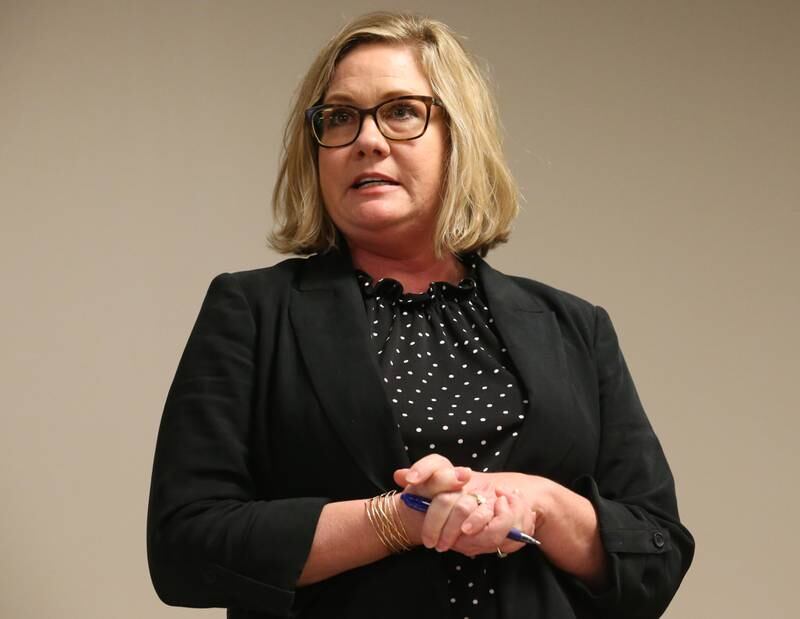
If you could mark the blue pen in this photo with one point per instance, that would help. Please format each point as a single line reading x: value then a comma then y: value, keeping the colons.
x: 421, y: 504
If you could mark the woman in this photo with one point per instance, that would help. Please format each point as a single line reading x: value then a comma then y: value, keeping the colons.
x: 395, y: 358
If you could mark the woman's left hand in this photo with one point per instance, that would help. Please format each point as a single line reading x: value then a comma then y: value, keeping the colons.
x: 538, y: 492
x: 511, y: 510
x: 456, y: 522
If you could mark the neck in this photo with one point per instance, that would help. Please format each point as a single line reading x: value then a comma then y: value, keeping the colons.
x: 415, y: 271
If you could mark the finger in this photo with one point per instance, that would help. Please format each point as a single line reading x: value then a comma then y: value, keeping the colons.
x: 478, y: 519
x: 530, y: 527
x: 520, y: 519
x: 441, y: 480
x: 423, y: 468
x: 464, y: 474
x: 444, y: 480
x: 497, y: 529
x: 400, y: 477
x: 461, y: 475
x: 489, y: 538
x: 526, y: 523
x: 463, y: 510
x: 529, y: 514
x: 436, y: 517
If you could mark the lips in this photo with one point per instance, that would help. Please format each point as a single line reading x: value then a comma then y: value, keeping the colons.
x: 372, y: 179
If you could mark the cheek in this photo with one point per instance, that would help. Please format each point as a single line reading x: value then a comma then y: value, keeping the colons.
x: 435, y: 162
x: 433, y: 171
x: 327, y: 176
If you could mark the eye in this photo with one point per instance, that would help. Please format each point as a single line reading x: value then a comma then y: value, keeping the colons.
x: 401, y: 110
x: 339, y: 116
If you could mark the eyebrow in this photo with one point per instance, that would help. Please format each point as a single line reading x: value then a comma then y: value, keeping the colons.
x: 343, y: 97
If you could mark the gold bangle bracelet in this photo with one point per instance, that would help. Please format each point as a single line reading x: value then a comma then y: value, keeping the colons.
x: 385, y: 520
x: 389, y: 524
x: 401, y: 527
x: 376, y: 525
x: 393, y: 522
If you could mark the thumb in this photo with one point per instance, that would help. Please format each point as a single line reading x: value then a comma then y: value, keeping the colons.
x: 399, y: 477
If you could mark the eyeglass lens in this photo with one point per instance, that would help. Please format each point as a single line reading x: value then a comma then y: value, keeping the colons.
x: 403, y: 119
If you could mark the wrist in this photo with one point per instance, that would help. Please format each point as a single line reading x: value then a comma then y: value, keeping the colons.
x: 410, y: 519
x: 542, y: 495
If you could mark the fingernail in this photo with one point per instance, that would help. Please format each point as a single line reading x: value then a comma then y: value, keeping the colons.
x: 462, y: 475
x: 413, y: 476
x: 441, y: 548
x: 467, y: 527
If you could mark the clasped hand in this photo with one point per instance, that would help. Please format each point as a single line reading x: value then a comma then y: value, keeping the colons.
x: 456, y: 519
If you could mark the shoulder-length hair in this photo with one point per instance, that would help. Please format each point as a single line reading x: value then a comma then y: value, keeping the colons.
x: 479, y: 195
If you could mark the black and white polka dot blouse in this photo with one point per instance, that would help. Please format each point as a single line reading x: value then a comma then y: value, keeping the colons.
x: 453, y: 391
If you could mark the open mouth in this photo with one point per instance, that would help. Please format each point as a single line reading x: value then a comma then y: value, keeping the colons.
x: 372, y: 182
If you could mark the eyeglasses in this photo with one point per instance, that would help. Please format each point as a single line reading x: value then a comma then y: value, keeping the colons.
x: 400, y: 119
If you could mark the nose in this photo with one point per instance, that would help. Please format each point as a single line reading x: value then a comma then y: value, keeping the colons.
x: 370, y: 139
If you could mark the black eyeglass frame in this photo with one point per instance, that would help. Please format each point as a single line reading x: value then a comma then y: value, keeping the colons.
x: 427, y: 100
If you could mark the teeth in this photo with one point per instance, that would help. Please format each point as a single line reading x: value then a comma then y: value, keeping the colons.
x: 373, y: 181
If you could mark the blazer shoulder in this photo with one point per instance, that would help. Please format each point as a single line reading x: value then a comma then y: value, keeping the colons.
x: 554, y: 299
x: 573, y: 313
x: 257, y: 282
x: 262, y: 288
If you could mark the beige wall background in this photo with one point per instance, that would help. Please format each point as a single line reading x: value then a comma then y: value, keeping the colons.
x: 657, y: 147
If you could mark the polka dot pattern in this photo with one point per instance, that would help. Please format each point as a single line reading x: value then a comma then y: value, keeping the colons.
x: 451, y: 387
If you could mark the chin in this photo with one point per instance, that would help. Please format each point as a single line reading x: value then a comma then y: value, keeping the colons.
x: 379, y: 224
x: 383, y: 229
x: 380, y: 215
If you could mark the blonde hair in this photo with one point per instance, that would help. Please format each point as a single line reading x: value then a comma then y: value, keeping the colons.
x: 479, y: 199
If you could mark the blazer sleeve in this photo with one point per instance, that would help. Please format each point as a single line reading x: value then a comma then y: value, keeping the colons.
x: 633, y: 493
x: 213, y: 540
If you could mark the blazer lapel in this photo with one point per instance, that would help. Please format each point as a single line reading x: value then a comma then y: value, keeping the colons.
x: 531, y: 333
x: 328, y: 316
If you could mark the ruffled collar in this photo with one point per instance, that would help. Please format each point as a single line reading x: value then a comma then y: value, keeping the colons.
x: 392, y: 290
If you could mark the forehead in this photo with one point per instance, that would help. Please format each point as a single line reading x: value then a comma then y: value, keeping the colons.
x: 374, y: 71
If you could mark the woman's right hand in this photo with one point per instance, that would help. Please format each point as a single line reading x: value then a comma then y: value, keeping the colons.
x: 432, y: 475
x: 451, y: 511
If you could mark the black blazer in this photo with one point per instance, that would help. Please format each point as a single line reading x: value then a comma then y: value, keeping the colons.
x: 277, y: 408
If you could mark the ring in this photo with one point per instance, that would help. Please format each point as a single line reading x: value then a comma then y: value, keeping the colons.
x: 501, y: 554
x: 478, y: 497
